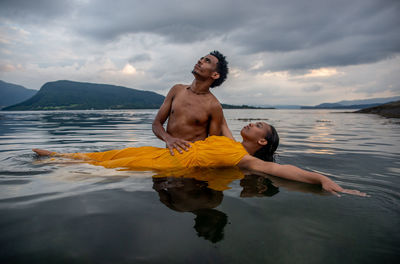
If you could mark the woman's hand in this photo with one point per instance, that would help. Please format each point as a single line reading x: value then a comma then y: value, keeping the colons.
x: 332, y: 187
x: 294, y: 173
x: 355, y: 192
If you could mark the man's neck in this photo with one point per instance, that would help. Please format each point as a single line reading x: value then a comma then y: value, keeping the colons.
x: 200, y: 87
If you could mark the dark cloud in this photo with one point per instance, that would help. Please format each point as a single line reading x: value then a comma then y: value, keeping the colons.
x: 307, y: 24
x: 288, y: 35
x: 310, y: 33
x: 177, y: 21
x: 37, y: 11
x: 140, y: 57
x: 349, y: 51
x: 319, y: 36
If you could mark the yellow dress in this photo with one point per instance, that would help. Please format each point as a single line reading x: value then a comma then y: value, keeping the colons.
x: 214, y: 151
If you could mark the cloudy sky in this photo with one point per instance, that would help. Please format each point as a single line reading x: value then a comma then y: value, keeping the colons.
x: 279, y: 52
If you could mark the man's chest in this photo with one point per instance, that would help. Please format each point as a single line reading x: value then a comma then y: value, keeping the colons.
x: 191, y: 109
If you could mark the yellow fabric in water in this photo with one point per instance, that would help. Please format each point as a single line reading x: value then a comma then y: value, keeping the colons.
x: 217, y: 179
x: 214, y: 151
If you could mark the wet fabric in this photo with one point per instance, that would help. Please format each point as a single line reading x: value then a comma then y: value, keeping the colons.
x: 214, y: 151
x: 217, y: 179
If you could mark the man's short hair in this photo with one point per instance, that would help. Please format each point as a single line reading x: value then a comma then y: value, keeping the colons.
x: 222, y: 68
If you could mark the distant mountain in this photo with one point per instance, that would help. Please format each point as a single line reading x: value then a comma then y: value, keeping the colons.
x: 354, y: 104
x: 370, y: 101
x: 387, y: 110
x: 12, y: 94
x: 69, y: 95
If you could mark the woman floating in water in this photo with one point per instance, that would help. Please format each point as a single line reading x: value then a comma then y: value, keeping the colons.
x: 255, y: 153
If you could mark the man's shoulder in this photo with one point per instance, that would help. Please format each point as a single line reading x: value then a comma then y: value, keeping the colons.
x: 177, y: 88
x: 180, y: 86
x: 215, y: 102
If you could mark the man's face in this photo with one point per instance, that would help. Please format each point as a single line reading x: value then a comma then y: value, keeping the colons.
x: 206, y: 67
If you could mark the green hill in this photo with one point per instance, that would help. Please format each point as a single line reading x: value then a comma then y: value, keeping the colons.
x: 354, y: 104
x: 69, y: 95
x: 387, y: 110
x: 12, y: 94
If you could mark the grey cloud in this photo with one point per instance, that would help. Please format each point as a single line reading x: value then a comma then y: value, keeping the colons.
x: 346, y: 34
x: 289, y: 35
x: 37, y: 11
x: 306, y: 24
x: 140, y: 57
x: 352, y: 50
x: 374, y: 89
x: 313, y: 88
x: 177, y: 21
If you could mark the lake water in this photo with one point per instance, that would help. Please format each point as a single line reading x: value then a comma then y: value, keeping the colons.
x: 53, y: 211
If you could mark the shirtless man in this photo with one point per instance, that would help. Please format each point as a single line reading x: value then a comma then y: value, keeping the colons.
x: 193, y: 112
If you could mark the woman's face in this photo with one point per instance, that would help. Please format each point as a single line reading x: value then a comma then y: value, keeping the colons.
x: 255, y: 131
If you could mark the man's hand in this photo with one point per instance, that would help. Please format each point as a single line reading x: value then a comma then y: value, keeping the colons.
x: 178, y: 144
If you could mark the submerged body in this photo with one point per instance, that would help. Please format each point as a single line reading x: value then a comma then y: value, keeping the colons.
x: 214, y: 151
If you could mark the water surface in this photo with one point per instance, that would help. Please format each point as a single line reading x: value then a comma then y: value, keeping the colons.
x: 57, y: 211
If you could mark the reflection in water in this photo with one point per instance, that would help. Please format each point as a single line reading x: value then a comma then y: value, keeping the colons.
x: 321, y: 139
x: 191, y: 195
x: 83, y: 213
x: 216, y: 178
x: 210, y: 223
x: 257, y: 186
x: 199, y: 191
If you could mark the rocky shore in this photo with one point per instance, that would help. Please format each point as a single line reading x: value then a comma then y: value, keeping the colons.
x: 391, y: 110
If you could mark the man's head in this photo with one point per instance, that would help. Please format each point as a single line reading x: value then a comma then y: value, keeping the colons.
x: 213, y: 66
x: 222, y: 68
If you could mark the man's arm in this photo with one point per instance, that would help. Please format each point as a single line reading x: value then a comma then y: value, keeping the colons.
x: 163, y: 114
x: 159, y: 120
x: 218, y: 125
x: 217, y: 117
x: 225, y: 129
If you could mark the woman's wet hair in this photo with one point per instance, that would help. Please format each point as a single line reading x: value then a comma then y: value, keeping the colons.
x: 266, y: 152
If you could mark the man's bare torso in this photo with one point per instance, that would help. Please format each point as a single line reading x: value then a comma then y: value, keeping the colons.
x: 190, y: 114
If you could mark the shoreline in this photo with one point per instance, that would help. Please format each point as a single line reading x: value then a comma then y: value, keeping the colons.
x: 389, y: 110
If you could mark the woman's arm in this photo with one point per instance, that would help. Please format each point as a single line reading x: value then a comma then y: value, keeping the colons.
x: 293, y: 173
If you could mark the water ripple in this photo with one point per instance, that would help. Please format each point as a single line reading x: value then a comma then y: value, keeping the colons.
x: 357, y: 151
